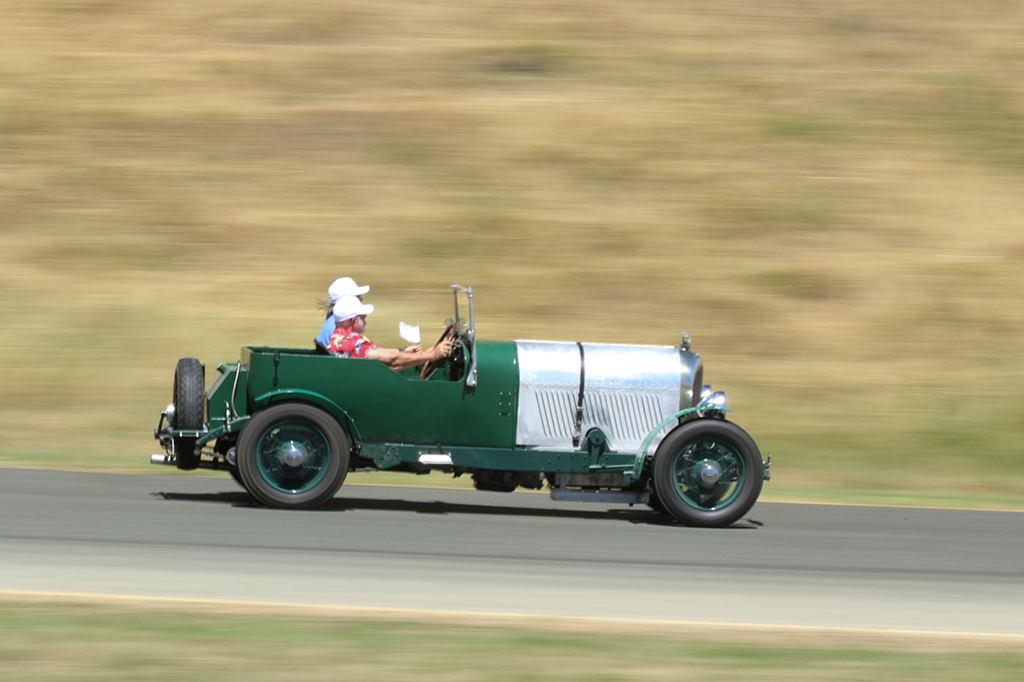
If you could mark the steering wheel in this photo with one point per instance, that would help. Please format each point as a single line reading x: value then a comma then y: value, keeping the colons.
x: 432, y: 366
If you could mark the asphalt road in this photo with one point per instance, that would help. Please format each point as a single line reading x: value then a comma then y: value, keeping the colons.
x: 184, y: 536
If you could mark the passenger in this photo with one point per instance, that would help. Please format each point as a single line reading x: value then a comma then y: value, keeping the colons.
x: 345, y: 286
x: 348, y: 340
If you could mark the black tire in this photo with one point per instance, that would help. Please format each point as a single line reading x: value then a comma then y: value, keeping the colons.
x: 188, y: 410
x: 293, y: 456
x: 654, y: 502
x: 708, y: 473
x: 237, y: 475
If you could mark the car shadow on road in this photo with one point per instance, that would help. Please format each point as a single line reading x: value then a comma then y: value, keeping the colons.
x: 233, y: 499
x: 634, y: 515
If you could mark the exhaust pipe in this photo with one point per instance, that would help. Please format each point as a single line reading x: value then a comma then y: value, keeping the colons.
x: 214, y: 464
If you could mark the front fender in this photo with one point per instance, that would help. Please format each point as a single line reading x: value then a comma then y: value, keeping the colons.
x: 641, y: 455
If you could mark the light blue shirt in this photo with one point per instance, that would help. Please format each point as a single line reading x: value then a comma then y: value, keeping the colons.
x: 326, y: 331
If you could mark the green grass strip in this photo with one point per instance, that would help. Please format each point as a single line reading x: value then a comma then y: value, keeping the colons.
x: 61, y: 641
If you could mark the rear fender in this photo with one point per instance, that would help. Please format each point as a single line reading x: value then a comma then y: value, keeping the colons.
x: 299, y: 395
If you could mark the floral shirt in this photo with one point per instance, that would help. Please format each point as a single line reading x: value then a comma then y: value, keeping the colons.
x: 348, y: 344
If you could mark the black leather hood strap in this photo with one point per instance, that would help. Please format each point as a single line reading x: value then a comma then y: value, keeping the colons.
x: 576, y: 433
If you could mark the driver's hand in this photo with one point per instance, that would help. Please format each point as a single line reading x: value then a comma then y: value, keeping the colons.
x: 443, y: 349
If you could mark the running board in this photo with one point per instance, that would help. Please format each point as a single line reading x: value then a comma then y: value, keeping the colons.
x: 605, y: 496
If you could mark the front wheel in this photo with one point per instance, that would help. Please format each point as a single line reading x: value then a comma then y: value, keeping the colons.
x: 708, y: 473
x: 293, y: 456
x: 654, y: 502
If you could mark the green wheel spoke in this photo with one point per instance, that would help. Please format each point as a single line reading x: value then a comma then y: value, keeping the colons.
x: 709, y: 474
x: 293, y: 455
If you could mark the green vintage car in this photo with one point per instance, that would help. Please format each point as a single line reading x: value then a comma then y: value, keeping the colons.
x: 593, y: 422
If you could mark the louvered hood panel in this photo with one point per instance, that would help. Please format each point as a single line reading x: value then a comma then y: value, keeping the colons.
x: 628, y: 390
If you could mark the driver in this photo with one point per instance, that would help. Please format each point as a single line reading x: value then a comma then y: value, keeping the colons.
x: 348, y: 340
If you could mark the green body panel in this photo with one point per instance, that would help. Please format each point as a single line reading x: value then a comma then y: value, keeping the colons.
x: 396, y: 416
x: 378, y: 405
x: 219, y: 394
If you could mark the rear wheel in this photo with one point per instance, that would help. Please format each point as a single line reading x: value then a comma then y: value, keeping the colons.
x: 235, y: 474
x: 224, y: 447
x: 188, y: 410
x: 293, y: 456
x: 708, y: 473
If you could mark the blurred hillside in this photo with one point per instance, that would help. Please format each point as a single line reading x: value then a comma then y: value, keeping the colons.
x: 828, y: 196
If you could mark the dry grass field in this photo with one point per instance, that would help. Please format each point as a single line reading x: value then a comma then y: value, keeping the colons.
x: 828, y: 196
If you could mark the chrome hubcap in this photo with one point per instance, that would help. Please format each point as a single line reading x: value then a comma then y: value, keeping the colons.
x: 293, y: 456
x: 709, y: 474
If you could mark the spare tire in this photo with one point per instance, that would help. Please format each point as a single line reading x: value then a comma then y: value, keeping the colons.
x: 188, y: 410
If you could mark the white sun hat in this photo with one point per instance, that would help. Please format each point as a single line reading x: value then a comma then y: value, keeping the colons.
x: 346, y: 286
x: 348, y: 307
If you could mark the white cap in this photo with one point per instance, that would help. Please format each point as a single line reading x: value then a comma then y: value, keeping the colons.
x: 348, y: 307
x: 346, y: 286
